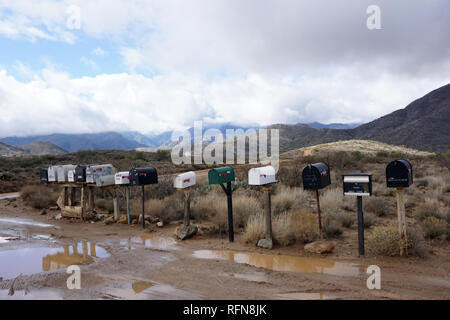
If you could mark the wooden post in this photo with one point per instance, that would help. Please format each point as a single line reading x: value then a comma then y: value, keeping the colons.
x: 127, y: 194
x: 64, y: 196
x: 268, y: 207
x: 83, y: 204
x: 402, y: 221
x: 319, y: 214
x: 116, y: 206
x: 187, y: 207
x: 91, y: 199
x: 70, y: 197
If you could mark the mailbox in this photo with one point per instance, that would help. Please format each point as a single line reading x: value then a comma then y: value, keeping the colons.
x: 80, y: 173
x: 62, y: 172
x: 122, y: 177
x: 105, y: 180
x: 51, y: 171
x: 143, y: 176
x: 357, y: 184
x: 43, y: 174
x: 94, y: 172
x: 184, y: 180
x: 399, y: 174
x: 261, y: 176
x: 221, y: 175
x: 71, y: 176
x: 316, y: 176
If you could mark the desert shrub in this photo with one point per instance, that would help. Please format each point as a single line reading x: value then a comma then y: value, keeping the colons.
x: 384, y: 241
x: 369, y: 220
x: 105, y: 204
x: 38, y: 197
x: 378, y: 206
x: 331, y: 226
x: 382, y: 154
x: 332, y: 201
x: 163, y: 189
x: 421, y: 183
x: 287, y: 198
x: 166, y: 210
x: 243, y: 208
x: 290, y: 176
x: 163, y: 155
x: 429, y: 208
x: 416, y: 244
x: 346, y: 220
x: 434, y: 227
x: 287, y: 227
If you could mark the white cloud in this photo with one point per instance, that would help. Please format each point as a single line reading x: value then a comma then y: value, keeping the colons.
x: 132, y: 58
x: 54, y: 102
x: 98, y: 52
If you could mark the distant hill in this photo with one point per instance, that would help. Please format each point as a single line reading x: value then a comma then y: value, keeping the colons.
x: 10, y: 151
x: 319, y: 125
x: 424, y: 124
x: 41, y: 148
x: 76, y: 142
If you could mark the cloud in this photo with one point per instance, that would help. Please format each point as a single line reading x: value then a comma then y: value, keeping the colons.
x: 54, y: 102
x: 98, y: 52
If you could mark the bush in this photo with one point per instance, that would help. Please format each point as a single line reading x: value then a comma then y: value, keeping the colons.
x: 105, y: 204
x: 434, y: 227
x: 346, y: 220
x: 430, y: 208
x: 378, y: 206
x: 384, y: 241
x: 38, y: 197
x: 290, y: 176
x: 163, y: 155
x: 369, y: 220
x: 287, y: 198
x: 331, y: 226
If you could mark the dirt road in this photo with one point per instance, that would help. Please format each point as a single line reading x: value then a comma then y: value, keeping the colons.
x: 124, y: 262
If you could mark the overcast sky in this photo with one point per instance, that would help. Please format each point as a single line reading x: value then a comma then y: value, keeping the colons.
x: 153, y: 66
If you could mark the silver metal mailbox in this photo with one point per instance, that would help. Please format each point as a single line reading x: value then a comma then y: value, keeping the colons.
x: 52, y: 173
x: 62, y: 173
x: 122, y: 177
x: 71, y: 176
x: 93, y: 172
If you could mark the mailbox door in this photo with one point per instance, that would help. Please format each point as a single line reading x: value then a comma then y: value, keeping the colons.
x: 399, y: 174
x: 80, y: 174
x: 43, y: 176
x: 310, y: 176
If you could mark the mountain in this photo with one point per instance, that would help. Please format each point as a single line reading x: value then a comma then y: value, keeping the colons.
x: 41, y: 148
x: 319, y: 125
x: 424, y: 124
x: 9, y: 151
x: 76, y: 142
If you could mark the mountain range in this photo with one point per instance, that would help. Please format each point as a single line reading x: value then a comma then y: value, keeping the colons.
x: 424, y: 124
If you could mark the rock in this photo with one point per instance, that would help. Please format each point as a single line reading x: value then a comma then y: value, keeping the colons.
x: 58, y: 216
x: 207, y: 228
x: 187, y: 232
x: 109, y: 220
x: 99, y: 216
x: 43, y: 212
x: 134, y: 221
x: 160, y: 224
x: 177, y: 229
x: 265, y: 243
x: 320, y: 246
x: 123, y: 219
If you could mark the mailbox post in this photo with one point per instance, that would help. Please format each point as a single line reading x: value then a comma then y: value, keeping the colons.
x: 265, y: 177
x: 123, y: 178
x: 359, y: 185
x: 220, y: 176
x: 316, y: 176
x: 184, y: 182
x: 399, y: 175
x: 142, y: 177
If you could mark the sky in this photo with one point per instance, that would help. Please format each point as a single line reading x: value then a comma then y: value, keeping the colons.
x: 150, y: 66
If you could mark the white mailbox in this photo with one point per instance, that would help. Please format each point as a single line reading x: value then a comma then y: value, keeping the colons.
x: 261, y: 176
x: 71, y: 176
x: 93, y: 172
x: 103, y: 181
x: 184, y: 180
x: 123, y: 177
x: 62, y: 173
x: 52, y: 173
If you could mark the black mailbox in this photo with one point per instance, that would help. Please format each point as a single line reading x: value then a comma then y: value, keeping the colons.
x: 43, y: 176
x: 399, y: 174
x: 143, y: 176
x: 316, y: 176
x: 80, y: 173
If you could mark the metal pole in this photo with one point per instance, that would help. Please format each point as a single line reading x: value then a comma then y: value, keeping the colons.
x: 127, y: 194
x: 230, y: 213
x: 360, y: 227
x: 268, y: 213
x: 187, y: 207
x: 143, y: 208
x: 318, y: 213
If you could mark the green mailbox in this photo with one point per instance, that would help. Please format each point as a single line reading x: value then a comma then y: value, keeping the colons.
x: 221, y: 175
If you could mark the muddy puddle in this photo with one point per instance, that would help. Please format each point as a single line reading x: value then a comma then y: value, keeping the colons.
x: 283, y: 263
x: 38, y: 259
x: 149, y: 241
x: 147, y: 290
x: 26, y: 222
x: 304, y: 296
x: 252, y: 277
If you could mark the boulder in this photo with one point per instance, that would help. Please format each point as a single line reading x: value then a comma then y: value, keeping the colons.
x: 109, y: 220
x: 186, y: 232
x: 265, y: 243
x: 320, y: 246
x: 160, y: 224
x: 123, y: 219
x: 58, y: 216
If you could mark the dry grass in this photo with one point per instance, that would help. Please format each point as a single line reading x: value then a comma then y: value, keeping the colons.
x: 384, y: 241
x: 434, y: 227
x: 287, y: 227
x: 333, y: 201
x: 378, y: 206
x: 287, y: 198
x: 38, y: 196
